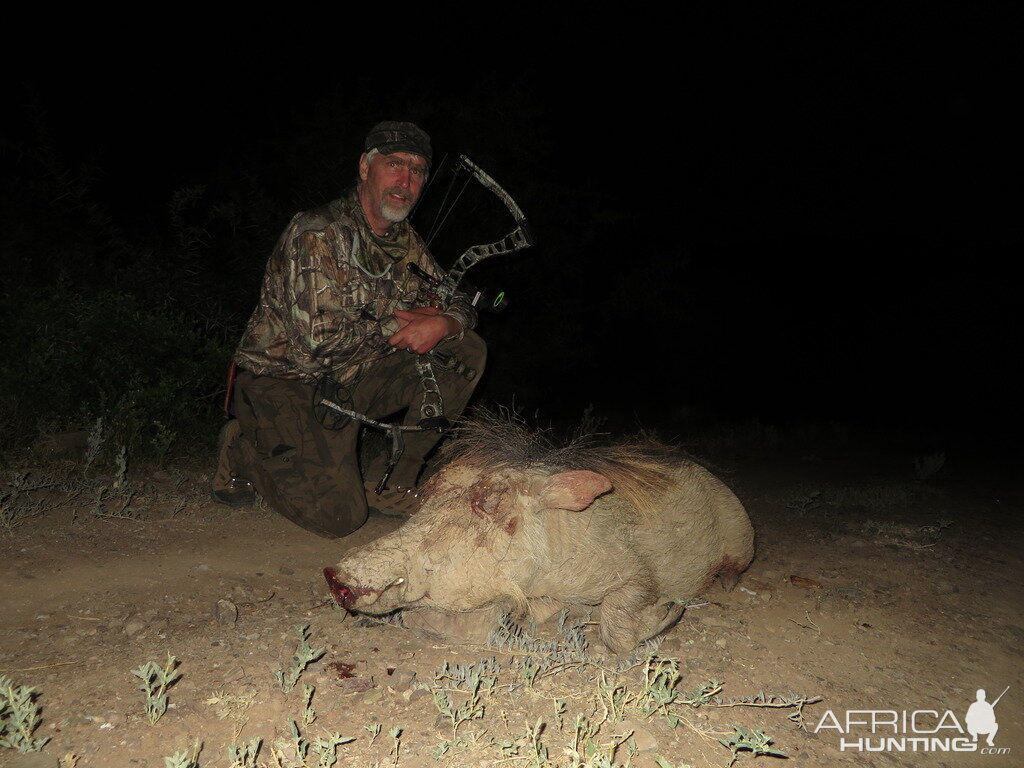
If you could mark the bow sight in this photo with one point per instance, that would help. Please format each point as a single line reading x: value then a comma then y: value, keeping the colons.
x: 477, y: 297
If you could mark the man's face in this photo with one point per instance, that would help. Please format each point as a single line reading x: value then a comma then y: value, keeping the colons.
x: 391, y: 185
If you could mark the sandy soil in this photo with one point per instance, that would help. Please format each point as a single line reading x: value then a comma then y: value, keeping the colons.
x: 884, y: 595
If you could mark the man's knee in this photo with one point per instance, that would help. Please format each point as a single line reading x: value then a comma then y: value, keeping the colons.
x: 326, y: 508
x: 473, y: 349
x: 328, y: 501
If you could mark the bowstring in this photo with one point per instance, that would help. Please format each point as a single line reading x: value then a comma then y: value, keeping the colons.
x: 430, y: 180
x: 435, y: 228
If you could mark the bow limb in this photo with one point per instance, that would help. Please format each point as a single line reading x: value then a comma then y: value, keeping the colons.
x: 484, y: 178
x: 516, y: 240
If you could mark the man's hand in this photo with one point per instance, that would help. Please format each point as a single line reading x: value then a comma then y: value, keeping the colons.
x: 423, y: 328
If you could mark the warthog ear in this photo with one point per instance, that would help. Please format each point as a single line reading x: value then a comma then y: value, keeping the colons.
x: 574, y: 491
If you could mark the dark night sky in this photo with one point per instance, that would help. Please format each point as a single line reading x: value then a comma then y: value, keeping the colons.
x: 816, y: 213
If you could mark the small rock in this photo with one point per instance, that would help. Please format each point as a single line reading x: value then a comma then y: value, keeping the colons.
x: 416, y: 694
x: 355, y: 684
x: 402, y: 679
x: 132, y: 627
x: 243, y: 593
x: 644, y: 740
x: 671, y: 645
x: 225, y: 612
x: 284, y: 570
x: 233, y: 675
x: 372, y: 697
x: 720, y: 642
x: 801, y: 581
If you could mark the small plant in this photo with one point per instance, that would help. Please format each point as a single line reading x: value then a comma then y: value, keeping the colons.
x: 115, y: 506
x: 910, y: 536
x: 19, y: 717
x: 13, y: 509
x: 396, y: 735
x: 483, y: 673
x: 93, y: 445
x: 441, y: 749
x: 661, y: 677
x: 155, y: 682
x: 614, y: 698
x: 538, y: 752
x: 301, y: 743
x: 233, y: 707
x: 185, y: 759
x: 162, y: 442
x: 373, y: 730
x: 245, y: 756
x: 528, y: 668
x: 560, y: 709
x: 121, y: 473
x: 749, y: 741
x: 472, y: 709
x: 327, y: 749
x: 703, y: 694
x: 305, y: 655
x: 308, y: 715
x: 663, y: 763
x: 569, y: 650
x: 467, y: 680
x: 583, y: 744
x: 934, y: 530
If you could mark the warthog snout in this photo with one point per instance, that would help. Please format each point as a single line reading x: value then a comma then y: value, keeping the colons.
x: 342, y: 595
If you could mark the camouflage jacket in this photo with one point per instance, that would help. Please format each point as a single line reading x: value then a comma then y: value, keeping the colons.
x: 328, y: 295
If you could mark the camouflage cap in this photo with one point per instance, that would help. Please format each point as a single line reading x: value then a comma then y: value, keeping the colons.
x: 397, y: 136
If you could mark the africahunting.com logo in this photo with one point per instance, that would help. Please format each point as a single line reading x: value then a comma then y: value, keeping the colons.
x: 920, y: 730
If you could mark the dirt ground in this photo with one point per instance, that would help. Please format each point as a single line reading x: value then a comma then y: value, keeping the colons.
x: 870, y: 589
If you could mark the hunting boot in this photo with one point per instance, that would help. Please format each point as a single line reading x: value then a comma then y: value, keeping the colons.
x: 227, y: 487
x: 396, y: 501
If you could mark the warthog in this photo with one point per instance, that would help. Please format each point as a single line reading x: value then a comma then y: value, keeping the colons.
x: 513, y: 523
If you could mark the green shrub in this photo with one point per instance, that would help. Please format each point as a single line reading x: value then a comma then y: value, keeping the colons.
x: 149, y: 371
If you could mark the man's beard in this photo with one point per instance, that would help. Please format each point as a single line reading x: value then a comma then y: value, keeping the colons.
x: 395, y: 212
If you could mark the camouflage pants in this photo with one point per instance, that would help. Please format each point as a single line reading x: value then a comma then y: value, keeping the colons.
x: 310, y: 474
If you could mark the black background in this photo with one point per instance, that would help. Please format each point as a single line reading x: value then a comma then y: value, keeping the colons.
x: 800, y: 214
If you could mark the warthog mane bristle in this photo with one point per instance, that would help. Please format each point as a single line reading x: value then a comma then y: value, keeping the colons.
x: 640, y: 470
